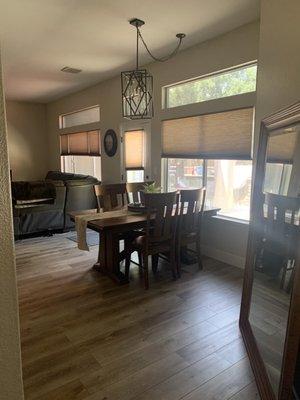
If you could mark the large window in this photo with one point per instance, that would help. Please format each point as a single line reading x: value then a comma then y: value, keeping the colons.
x: 213, y: 149
x: 80, y: 151
x: 230, y: 83
x: 228, y: 182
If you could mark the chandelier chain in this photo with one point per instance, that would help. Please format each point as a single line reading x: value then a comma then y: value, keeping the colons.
x: 162, y: 59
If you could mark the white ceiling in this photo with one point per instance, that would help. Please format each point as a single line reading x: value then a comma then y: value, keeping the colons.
x: 39, y: 37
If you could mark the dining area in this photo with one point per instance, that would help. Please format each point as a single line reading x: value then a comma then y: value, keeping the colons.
x: 139, y: 218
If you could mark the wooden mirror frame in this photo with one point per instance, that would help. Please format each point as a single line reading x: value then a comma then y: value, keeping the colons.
x: 283, y: 119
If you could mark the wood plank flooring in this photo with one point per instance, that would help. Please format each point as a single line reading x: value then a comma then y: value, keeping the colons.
x: 85, y: 338
x: 269, y: 317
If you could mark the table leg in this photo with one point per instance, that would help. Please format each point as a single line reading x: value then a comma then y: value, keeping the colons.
x: 100, y: 264
x: 109, y: 258
x: 113, y: 258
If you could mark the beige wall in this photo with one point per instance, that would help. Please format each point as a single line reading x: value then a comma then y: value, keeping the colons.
x: 278, y: 80
x: 11, y: 387
x: 27, y: 140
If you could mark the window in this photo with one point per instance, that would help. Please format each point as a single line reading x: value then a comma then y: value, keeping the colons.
x: 212, y: 150
x: 80, y: 151
x: 184, y: 173
x: 81, y: 117
x: 85, y: 165
x: 80, y: 143
x: 228, y: 182
x: 230, y: 83
x: 228, y: 185
x: 221, y: 135
x: 277, y: 178
x: 134, y: 154
x: 135, y: 176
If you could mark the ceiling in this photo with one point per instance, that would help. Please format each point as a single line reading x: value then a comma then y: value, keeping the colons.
x: 39, y: 37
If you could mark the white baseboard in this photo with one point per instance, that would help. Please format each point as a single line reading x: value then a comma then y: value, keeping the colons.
x: 224, y: 256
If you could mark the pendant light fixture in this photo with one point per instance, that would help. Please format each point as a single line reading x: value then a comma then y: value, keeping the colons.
x: 137, y: 85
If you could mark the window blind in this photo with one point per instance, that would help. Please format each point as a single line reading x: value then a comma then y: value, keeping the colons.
x: 282, y: 148
x: 80, y: 117
x: 224, y: 135
x: 134, y: 149
x: 80, y: 144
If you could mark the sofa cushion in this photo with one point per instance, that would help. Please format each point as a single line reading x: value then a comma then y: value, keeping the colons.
x: 80, y: 182
x: 58, y: 176
x: 65, y: 176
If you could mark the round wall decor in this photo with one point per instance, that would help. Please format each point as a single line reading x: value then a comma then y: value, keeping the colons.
x: 110, y: 142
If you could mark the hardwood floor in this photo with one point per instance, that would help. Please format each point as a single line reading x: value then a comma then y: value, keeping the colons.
x: 269, y: 312
x: 83, y: 337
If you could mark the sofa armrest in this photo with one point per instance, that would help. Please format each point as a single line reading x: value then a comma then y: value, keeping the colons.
x: 58, y: 204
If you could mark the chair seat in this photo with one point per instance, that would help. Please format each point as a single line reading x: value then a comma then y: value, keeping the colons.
x: 139, y: 243
x: 188, y: 237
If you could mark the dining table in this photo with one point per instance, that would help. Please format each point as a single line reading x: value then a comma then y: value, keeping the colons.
x: 110, y: 229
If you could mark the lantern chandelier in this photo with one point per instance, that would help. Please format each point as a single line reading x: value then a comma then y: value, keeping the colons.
x: 137, y: 85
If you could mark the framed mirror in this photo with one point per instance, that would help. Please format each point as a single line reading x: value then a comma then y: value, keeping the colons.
x: 270, y: 310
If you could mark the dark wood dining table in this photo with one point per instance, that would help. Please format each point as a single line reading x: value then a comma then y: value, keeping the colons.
x: 109, y: 230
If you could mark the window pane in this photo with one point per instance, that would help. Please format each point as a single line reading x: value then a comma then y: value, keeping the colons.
x: 84, y: 165
x: 229, y: 187
x: 230, y: 83
x: 134, y: 145
x: 184, y: 173
x: 81, y: 117
x: 135, y: 175
x: 277, y: 178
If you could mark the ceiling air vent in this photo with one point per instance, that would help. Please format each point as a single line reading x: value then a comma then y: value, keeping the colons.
x: 71, y: 70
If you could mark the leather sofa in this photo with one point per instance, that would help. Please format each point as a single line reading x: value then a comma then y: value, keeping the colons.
x: 73, y: 192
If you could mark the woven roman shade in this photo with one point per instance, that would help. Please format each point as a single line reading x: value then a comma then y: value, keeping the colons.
x: 80, y: 144
x: 223, y: 135
x: 134, y: 149
x: 282, y: 148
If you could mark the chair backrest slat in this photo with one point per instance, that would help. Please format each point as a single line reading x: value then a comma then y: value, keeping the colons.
x: 111, y: 196
x: 191, y: 207
x: 281, y: 222
x: 162, y: 212
x: 134, y: 190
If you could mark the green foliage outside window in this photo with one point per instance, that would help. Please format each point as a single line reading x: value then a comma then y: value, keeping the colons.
x: 238, y: 81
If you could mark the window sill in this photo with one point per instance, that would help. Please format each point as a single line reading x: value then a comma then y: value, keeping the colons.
x: 231, y: 219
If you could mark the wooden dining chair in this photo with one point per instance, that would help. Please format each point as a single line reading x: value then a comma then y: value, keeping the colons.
x: 160, y: 232
x: 191, y: 207
x: 134, y: 190
x: 280, y: 229
x: 111, y: 196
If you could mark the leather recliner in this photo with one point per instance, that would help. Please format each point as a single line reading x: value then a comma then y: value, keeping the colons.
x: 74, y: 192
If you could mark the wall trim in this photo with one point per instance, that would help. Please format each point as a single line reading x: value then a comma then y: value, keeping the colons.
x: 224, y: 256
